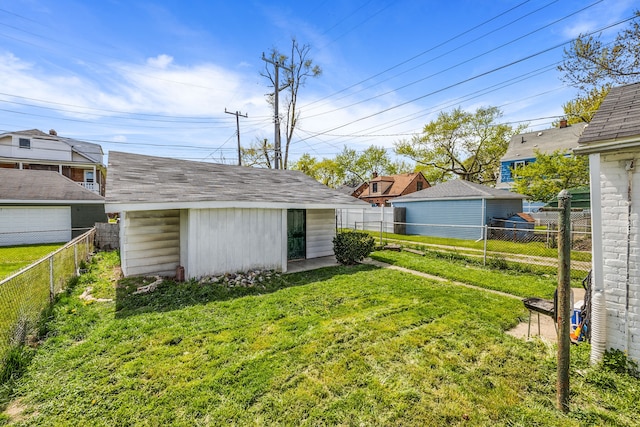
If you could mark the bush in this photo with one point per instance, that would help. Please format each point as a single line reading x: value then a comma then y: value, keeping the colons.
x: 352, y: 246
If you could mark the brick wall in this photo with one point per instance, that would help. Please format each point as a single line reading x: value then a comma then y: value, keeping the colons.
x: 617, y: 262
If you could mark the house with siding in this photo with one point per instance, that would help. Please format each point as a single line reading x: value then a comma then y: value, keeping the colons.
x: 522, y: 151
x: 80, y: 161
x: 45, y: 207
x: 210, y: 218
x: 612, y: 142
x: 382, y: 190
x: 457, y: 209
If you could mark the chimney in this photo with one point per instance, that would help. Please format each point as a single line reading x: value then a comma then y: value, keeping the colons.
x: 53, y: 132
x: 375, y: 175
x: 563, y: 123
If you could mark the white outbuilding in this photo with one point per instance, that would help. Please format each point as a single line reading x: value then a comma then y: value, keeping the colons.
x: 612, y: 141
x: 211, y: 218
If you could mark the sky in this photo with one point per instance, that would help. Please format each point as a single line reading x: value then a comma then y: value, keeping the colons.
x: 155, y: 77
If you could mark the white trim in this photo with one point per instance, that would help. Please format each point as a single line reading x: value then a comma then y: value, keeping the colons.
x: 284, y: 246
x: 430, y: 199
x: 607, y: 145
x: 596, y: 222
x: 211, y: 204
x: 44, y: 202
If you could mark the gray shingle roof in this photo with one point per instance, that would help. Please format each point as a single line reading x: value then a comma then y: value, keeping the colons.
x: 91, y: 151
x: 41, y: 185
x: 618, y: 116
x: 136, y: 178
x: 547, y: 141
x: 459, y: 189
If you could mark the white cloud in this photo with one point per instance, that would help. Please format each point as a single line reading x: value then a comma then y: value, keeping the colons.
x: 160, y: 61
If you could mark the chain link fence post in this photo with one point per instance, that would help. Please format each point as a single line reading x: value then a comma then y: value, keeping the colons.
x: 563, y: 306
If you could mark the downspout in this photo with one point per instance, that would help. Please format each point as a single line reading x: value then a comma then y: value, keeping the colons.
x: 629, y: 167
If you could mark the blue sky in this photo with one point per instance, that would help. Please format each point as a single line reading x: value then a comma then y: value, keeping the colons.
x: 156, y: 77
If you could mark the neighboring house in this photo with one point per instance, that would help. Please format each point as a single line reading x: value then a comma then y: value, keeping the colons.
x: 79, y: 161
x: 522, y: 148
x: 44, y: 207
x: 211, y: 218
x: 354, y: 190
x: 458, y: 209
x: 612, y: 141
x: 383, y: 189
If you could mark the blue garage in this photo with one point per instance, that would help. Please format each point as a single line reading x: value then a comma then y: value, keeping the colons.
x: 457, y: 209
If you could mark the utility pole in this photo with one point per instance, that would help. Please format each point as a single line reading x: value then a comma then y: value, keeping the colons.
x: 276, y: 65
x: 238, y: 114
x: 563, y: 306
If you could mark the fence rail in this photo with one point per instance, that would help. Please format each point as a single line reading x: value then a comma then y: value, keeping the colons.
x: 25, y: 294
x: 512, y: 244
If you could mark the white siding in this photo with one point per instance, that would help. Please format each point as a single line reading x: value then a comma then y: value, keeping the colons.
x: 38, y: 224
x: 151, y: 243
x: 232, y: 240
x: 321, y: 228
x: 622, y: 326
x: 40, y: 149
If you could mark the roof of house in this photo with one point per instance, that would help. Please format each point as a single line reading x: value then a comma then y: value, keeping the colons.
x: 146, y: 182
x: 34, y: 185
x: 400, y: 184
x: 91, y: 151
x: 617, y: 119
x: 458, y: 189
x: 523, y: 146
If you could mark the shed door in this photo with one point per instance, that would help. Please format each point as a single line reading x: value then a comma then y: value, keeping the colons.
x: 296, y: 236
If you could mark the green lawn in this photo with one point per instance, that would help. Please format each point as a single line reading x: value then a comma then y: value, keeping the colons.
x: 14, y: 258
x: 502, y: 246
x: 509, y: 281
x: 337, y: 346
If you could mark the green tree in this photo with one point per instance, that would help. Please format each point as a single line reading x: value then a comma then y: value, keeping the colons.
x: 583, y: 107
x: 360, y: 167
x: 594, y: 66
x: 326, y: 171
x: 297, y: 67
x: 543, y: 179
x: 258, y: 154
x: 589, y: 62
x: 463, y: 144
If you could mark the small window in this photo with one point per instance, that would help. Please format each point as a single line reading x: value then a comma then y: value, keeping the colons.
x: 519, y: 164
x: 374, y: 187
x: 88, y: 176
x: 419, y: 186
x: 24, y: 143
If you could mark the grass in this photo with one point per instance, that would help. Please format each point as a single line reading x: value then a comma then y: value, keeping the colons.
x: 502, y: 246
x: 337, y: 346
x: 460, y: 269
x: 14, y: 258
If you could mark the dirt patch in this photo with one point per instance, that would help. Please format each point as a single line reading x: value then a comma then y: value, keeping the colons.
x: 15, y: 411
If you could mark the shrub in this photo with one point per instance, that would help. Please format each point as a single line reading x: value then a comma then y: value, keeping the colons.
x: 352, y: 246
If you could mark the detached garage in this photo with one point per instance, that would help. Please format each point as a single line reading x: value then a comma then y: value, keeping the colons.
x: 44, y: 207
x: 210, y: 218
x: 457, y: 209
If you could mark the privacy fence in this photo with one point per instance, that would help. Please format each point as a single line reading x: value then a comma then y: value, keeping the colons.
x: 525, y: 242
x: 25, y: 294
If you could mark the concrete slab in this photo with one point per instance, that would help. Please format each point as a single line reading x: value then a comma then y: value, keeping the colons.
x: 297, y: 266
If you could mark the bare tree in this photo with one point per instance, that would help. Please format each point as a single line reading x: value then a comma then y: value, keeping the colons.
x: 297, y: 66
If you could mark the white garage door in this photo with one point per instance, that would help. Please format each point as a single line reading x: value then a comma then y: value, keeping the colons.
x: 27, y: 225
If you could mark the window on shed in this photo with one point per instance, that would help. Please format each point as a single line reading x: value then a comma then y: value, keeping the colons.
x: 24, y: 143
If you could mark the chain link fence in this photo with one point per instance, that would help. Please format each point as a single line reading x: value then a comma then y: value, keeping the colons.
x: 530, y: 242
x: 25, y: 294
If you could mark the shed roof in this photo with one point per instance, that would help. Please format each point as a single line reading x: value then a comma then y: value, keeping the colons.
x: 522, y: 146
x: 458, y: 189
x: 616, y: 121
x: 139, y: 182
x: 39, y: 186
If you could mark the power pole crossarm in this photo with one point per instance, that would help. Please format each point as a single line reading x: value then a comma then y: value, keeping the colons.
x: 238, y: 114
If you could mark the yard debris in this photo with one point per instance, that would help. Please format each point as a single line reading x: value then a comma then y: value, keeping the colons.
x: 150, y: 287
x: 86, y: 296
x: 248, y: 279
x: 392, y: 247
